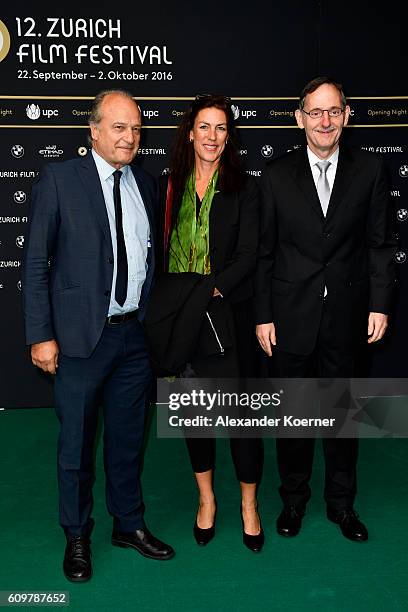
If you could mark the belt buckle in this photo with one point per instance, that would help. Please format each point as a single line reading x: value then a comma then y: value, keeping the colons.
x: 117, y: 322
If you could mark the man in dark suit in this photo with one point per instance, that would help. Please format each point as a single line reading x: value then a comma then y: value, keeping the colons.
x: 89, y: 263
x: 325, y: 269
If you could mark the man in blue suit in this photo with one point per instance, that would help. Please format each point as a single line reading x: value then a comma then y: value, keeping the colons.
x: 89, y: 264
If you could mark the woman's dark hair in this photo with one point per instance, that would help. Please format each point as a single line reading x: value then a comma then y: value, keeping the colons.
x: 231, y: 172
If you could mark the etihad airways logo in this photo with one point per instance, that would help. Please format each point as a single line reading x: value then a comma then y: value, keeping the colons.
x: 50, y: 151
x: 4, y: 41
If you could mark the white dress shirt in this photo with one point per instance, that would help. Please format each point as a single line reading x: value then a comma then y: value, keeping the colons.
x: 330, y: 173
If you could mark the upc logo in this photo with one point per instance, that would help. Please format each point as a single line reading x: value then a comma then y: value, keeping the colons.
x: 33, y: 111
x: 235, y: 111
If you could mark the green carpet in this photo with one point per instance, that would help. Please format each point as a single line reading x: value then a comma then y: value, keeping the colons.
x: 318, y: 570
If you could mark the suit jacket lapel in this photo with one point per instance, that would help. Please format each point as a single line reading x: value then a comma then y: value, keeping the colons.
x: 147, y: 197
x: 304, y: 178
x: 219, y: 207
x: 345, y: 172
x: 147, y: 201
x: 93, y: 188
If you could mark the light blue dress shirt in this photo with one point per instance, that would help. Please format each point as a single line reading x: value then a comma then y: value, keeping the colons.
x: 136, y: 231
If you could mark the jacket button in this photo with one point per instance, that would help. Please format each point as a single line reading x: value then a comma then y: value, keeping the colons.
x: 110, y: 260
x: 327, y: 234
x: 107, y: 292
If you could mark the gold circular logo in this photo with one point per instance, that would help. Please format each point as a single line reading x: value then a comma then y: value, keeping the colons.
x: 4, y: 41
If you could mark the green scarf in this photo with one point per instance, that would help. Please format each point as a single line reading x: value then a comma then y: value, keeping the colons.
x: 190, y: 239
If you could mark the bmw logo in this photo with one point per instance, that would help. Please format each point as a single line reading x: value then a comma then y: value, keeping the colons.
x: 17, y: 150
x: 267, y: 150
x: 19, y: 197
x: 402, y: 214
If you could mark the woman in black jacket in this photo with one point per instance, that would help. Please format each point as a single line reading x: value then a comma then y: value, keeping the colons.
x: 210, y: 222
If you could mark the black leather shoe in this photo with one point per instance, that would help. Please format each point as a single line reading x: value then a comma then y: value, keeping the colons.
x: 350, y: 525
x: 289, y: 521
x: 253, y: 542
x: 77, y: 561
x: 144, y: 542
x: 203, y: 536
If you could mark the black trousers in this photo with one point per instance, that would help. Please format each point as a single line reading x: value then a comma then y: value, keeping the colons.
x: 247, y: 453
x: 295, y: 456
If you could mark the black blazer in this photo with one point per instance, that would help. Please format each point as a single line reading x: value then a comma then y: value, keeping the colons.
x: 234, y: 235
x: 350, y: 251
x: 69, y: 299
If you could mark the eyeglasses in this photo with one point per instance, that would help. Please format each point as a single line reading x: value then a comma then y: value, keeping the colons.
x: 317, y: 113
x: 211, y: 96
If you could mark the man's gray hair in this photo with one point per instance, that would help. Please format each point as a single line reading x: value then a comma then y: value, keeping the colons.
x: 95, y: 115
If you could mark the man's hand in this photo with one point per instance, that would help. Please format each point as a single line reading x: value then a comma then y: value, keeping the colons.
x: 377, y: 324
x: 266, y: 337
x: 44, y: 355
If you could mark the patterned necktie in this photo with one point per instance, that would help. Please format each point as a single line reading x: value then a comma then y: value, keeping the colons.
x: 323, y: 187
x: 121, y: 257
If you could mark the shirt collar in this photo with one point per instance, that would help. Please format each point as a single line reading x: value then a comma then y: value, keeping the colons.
x: 105, y: 170
x: 313, y: 159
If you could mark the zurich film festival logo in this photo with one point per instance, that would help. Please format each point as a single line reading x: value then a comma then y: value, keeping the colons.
x: 4, y: 41
x: 17, y: 151
x: 33, y: 111
x: 402, y: 214
x: 403, y: 171
x: 400, y: 257
x: 82, y: 151
x: 19, y: 197
x: 20, y: 242
x: 267, y: 151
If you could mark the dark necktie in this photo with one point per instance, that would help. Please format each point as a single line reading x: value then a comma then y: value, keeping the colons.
x: 121, y: 257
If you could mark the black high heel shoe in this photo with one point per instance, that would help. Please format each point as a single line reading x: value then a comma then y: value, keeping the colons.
x: 253, y: 542
x: 203, y: 536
